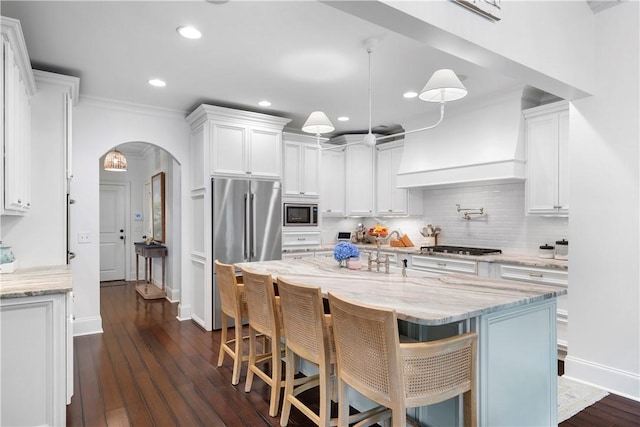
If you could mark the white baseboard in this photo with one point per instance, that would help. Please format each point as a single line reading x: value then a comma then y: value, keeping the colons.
x: 617, y: 381
x: 184, y: 312
x: 87, y: 326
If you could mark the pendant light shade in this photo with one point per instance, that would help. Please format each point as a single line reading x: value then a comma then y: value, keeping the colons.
x: 115, y: 161
x: 318, y: 123
x: 443, y: 86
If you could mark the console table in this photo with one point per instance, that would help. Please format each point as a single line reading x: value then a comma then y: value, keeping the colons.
x: 149, y: 252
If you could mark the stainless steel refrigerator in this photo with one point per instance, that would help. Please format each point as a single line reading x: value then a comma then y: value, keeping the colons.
x: 246, y: 225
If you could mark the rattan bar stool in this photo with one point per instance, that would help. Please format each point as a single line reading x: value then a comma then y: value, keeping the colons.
x: 309, y: 336
x: 233, y: 305
x: 264, y: 318
x: 398, y: 376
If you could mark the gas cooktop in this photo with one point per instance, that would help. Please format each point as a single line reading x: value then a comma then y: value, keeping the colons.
x: 461, y: 250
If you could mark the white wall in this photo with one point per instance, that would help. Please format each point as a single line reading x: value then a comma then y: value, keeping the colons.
x: 99, y: 125
x: 604, y: 293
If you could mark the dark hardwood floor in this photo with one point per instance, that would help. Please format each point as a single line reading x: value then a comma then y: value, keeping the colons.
x: 149, y: 369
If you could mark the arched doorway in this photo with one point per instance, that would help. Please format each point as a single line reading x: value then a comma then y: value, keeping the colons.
x: 125, y: 214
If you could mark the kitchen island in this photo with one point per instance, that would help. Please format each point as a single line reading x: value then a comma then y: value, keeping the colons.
x: 515, y: 322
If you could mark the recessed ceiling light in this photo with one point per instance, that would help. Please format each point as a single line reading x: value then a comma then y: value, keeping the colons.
x: 264, y: 103
x: 189, y: 32
x: 410, y: 94
x: 343, y: 119
x: 157, y: 83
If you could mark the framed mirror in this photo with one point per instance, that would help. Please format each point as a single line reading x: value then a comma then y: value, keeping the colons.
x: 157, y: 206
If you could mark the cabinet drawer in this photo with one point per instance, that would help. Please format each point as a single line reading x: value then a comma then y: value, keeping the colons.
x: 543, y: 276
x: 300, y: 238
x: 443, y: 265
x: 297, y: 255
x: 324, y: 254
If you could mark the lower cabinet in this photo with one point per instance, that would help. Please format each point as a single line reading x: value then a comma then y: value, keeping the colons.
x: 543, y: 276
x: 435, y: 264
x: 297, y: 255
x: 37, y: 355
x: 292, y: 240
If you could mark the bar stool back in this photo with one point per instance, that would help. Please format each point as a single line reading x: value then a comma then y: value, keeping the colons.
x: 264, y: 318
x: 308, y: 336
x: 233, y: 305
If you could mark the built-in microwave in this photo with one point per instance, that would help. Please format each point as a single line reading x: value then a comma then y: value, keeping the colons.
x: 300, y: 214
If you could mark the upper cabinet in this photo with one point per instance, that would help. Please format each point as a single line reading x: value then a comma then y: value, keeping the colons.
x: 332, y: 182
x: 301, y: 177
x: 391, y: 200
x: 359, y: 182
x: 238, y: 143
x: 547, y: 187
x: 17, y: 88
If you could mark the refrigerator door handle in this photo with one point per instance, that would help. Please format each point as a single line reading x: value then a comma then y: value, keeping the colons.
x: 245, y: 234
x: 254, y: 243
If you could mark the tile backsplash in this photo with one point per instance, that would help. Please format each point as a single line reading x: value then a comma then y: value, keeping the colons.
x: 503, y: 226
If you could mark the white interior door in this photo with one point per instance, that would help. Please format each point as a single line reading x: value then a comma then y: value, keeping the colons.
x: 112, y: 232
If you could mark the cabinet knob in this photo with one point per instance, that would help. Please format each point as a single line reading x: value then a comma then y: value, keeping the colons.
x: 19, y: 201
x: 29, y: 204
x: 557, y: 207
x: 302, y: 192
x: 328, y: 210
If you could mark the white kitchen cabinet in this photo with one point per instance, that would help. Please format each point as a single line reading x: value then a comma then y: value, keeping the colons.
x: 298, y: 255
x: 301, y: 171
x: 300, y: 239
x: 245, y: 150
x: 359, y: 180
x: 547, y: 186
x: 18, y: 86
x: 36, y: 354
x: 333, y: 182
x: 543, y: 276
x: 239, y: 143
x: 443, y: 265
x: 390, y: 200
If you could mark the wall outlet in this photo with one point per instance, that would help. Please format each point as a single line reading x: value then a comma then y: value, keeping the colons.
x: 84, y: 237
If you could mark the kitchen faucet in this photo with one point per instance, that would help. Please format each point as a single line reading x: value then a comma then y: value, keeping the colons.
x: 379, y: 261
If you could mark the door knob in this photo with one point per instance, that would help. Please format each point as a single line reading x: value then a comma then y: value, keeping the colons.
x: 121, y: 237
x: 122, y: 231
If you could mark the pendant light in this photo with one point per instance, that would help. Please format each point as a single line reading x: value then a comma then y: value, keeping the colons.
x: 318, y: 123
x: 115, y: 161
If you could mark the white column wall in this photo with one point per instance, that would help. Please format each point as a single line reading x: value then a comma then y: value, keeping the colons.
x: 98, y: 125
x: 604, y: 286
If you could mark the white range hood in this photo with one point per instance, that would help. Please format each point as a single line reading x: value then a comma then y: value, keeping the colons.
x: 472, y: 146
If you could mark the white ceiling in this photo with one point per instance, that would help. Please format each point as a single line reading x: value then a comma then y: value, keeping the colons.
x: 300, y: 55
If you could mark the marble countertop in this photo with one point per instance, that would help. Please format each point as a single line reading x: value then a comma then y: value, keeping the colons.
x: 28, y: 282
x: 427, y: 300
x: 517, y: 259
